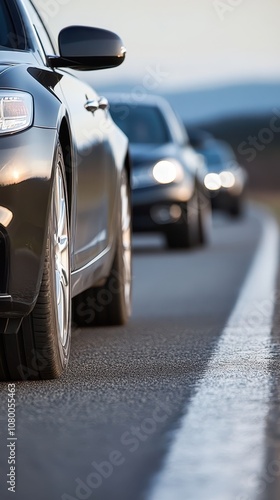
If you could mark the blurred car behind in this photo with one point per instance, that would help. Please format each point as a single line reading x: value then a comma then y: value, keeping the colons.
x: 225, y: 179
x: 168, y: 195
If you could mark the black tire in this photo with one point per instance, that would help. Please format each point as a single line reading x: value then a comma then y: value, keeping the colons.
x: 205, y: 219
x: 40, y: 349
x: 185, y: 233
x: 178, y: 237
x: 236, y: 208
x: 110, y: 304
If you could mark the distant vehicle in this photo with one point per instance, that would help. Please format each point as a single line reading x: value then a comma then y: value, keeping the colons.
x: 197, y: 136
x: 225, y: 179
x: 65, y: 230
x: 168, y: 194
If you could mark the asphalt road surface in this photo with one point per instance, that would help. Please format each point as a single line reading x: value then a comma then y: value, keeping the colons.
x: 183, y: 402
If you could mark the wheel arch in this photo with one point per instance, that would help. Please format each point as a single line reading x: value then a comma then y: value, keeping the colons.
x: 66, y: 145
x: 128, y: 165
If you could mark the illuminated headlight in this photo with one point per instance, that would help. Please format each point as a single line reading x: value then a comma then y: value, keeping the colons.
x: 16, y: 111
x: 212, y: 181
x: 227, y: 179
x: 167, y: 171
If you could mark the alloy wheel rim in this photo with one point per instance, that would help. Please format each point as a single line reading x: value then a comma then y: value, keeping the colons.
x: 61, y: 254
x: 126, y: 243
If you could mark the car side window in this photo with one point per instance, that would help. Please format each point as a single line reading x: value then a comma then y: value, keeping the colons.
x: 42, y: 34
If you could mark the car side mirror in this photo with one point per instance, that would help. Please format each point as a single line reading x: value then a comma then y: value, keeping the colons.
x: 85, y: 48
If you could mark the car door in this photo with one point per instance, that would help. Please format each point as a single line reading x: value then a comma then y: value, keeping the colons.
x: 94, y: 163
x: 95, y: 172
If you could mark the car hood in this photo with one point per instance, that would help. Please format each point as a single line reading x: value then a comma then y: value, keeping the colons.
x: 149, y: 153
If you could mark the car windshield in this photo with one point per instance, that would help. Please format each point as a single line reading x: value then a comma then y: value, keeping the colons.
x: 142, y: 124
x: 12, y: 35
x: 217, y: 159
x: 212, y: 158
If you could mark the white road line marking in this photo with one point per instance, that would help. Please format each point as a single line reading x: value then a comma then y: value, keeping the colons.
x: 218, y: 453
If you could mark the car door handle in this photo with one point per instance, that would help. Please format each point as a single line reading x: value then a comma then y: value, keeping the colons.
x: 92, y: 106
x: 103, y: 103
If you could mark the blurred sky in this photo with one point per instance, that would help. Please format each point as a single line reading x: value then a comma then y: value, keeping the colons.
x: 193, y: 43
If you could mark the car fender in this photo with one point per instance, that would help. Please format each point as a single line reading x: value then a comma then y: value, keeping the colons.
x: 43, y: 85
x: 26, y: 176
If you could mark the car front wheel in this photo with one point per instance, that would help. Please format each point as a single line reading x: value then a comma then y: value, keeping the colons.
x: 185, y: 233
x: 40, y: 349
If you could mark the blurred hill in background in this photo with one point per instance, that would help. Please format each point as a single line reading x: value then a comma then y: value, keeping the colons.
x: 264, y: 168
x: 245, y: 115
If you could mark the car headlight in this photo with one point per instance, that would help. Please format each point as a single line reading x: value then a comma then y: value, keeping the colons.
x: 227, y: 179
x: 167, y: 171
x: 162, y: 172
x: 212, y: 181
x: 16, y: 111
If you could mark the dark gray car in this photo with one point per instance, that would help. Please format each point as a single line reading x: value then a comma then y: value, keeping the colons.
x: 169, y: 195
x: 65, y: 224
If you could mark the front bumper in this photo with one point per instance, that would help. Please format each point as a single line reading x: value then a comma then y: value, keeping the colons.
x: 223, y: 199
x: 26, y: 167
x: 146, y: 202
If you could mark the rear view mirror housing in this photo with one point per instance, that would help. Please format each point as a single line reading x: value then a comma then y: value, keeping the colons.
x: 85, y: 48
